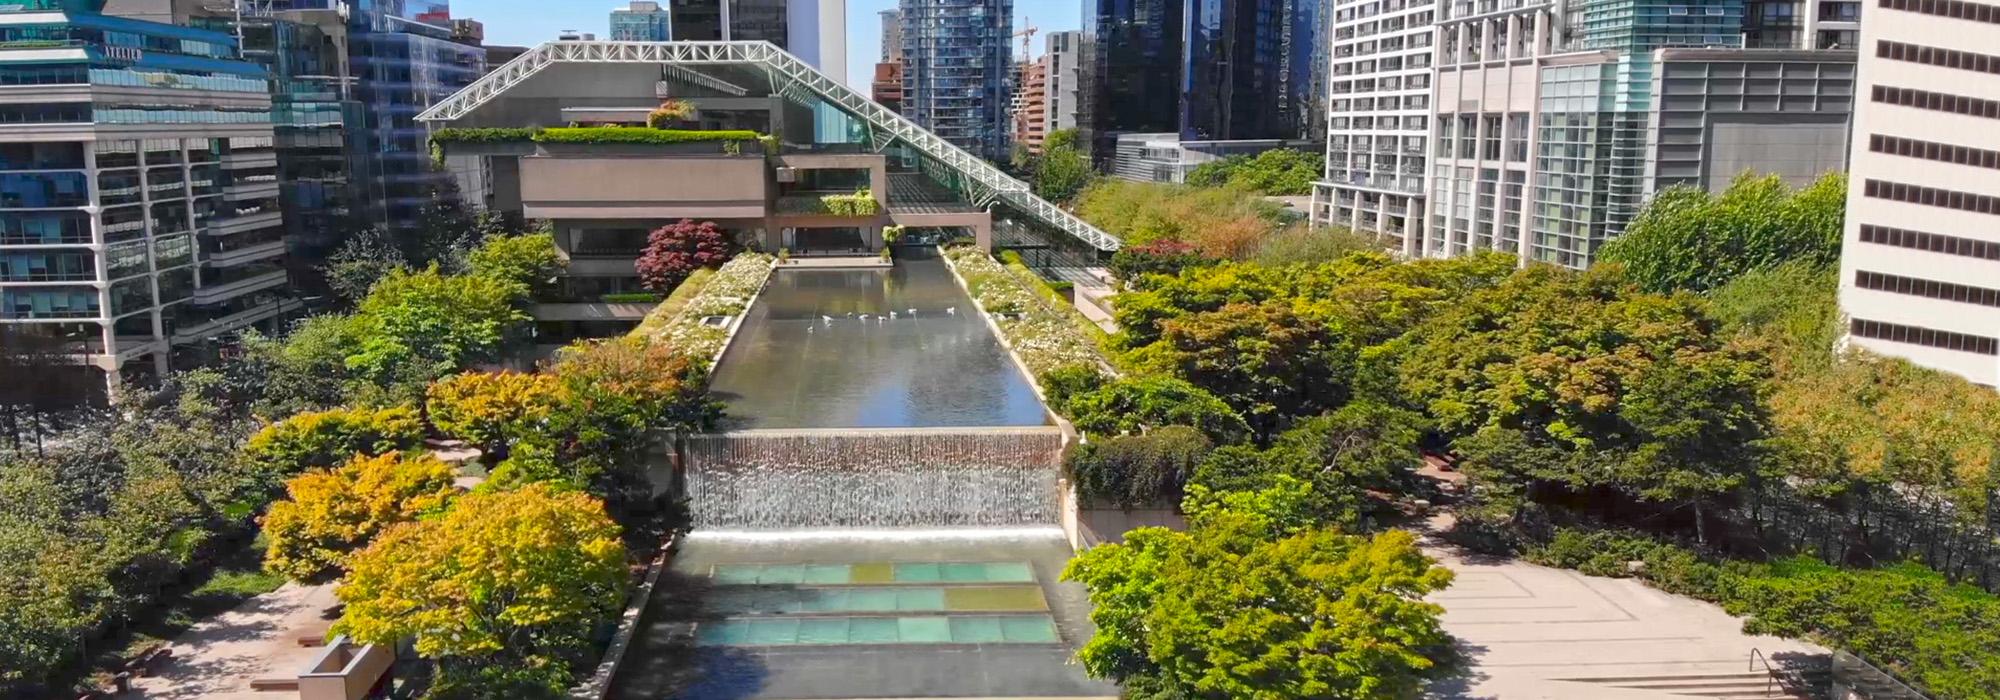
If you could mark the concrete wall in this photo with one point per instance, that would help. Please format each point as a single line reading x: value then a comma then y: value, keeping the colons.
x: 648, y: 188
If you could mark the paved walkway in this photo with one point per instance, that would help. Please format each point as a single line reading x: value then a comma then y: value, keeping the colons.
x: 1535, y: 632
x: 219, y: 658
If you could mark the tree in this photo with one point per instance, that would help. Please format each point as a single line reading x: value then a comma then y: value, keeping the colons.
x: 364, y: 258
x: 1061, y: 173
x: 530, y: 260
x: 331, y: 513
x: 1132, y: 405
x: 37, y: 381
x: 492, y: 410
x: 1363, y: 446
x: 1686, y: 238
x: 1253, y: 602
x: 1162, y: 257
x: 1216, y: 173
x: 1300, y: 244
x: 504, y: 579
x: 674, y: 250
x: 1261, y: 359
x: 423, y: 325
x: 1137, y: 471
x: 325, y: 439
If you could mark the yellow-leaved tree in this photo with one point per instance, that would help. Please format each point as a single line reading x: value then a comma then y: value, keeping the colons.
x: 493, y: 410
x: 330, y: 438
x: 332, y: 513
x: 502, y: 592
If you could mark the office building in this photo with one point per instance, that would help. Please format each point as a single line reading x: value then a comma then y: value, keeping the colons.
x: 1135, y: 71
x: 1064, y: 73
x: 887, y: 87
x: 139, y: 203
x: 1920, y: 265
x: 1551, y: 123
x: 892, y: 35
x: 958, y: 71
x: 642, y: 21
x: 1378, y: 118
x: 403, y: 58
x: 1801, y: 24
x: 602, y: 200
x: 813, y: 30
x: 1247, y: 69
x: 1031, y: 103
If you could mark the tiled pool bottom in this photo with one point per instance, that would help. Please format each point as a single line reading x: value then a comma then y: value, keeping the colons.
x: 766, y: 605
x: 935, y: 629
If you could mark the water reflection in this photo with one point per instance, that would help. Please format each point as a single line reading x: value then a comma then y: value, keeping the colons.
x: 870, y: 349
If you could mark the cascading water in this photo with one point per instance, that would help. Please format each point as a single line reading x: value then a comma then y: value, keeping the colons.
x: 823, y: 479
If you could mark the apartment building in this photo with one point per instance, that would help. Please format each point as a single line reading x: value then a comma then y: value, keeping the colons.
x: 1064, y: 74
x: 139, y: 196
x: 1031, y: 104
x: 1920, y: 264
x: 958, y: 71
x: 1552, y: 121
x: 1378, y: 118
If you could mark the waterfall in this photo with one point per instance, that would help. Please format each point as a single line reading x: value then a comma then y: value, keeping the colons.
x: 899, y: 478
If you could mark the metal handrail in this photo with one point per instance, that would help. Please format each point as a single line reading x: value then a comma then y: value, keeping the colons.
x: 796, y: 73
x: 1771, y: 673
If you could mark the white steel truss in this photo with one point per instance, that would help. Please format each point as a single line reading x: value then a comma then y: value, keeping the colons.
x: 787, y: 70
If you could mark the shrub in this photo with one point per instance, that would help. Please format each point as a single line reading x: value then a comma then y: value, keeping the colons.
x: 861, y: 203
x: 328, y: 438
x: 1133, y: 471
x: 1162, y: 257
x: 1064, y: 383
x: 1130, y: 405
x: 331, y: 513
x: 669, y: 112
x: 530, y: 260
x: 635, y: 135
x: 674, y: 250
x: 447, y: 136
x: 631, y: 298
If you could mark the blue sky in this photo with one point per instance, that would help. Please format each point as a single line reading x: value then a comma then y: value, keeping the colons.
x: 531, y: 22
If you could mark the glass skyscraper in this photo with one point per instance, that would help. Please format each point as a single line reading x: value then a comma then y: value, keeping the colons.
x: 403, y: 60
x: 1135, y: 55
x: 139, y: 197
x: 1209, y: 69
x: 642, y: 21
x: 958, y: 71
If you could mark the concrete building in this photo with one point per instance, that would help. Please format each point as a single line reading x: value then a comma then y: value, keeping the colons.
x: 1801, y: 24
x: 958, y: 71
x: 1031, y: 104
x: 1551, y: 122
x: 1378, y: 118
x: 603, y: 199
x: 1168, y: 158
x: 1920, y: 265
x: 892, y: 35
x: 139, y: 194
x: 641, y: 21
x: 887, y: 87
x: 1063, y: 77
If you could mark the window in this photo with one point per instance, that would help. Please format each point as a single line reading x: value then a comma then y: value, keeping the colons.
x: 1928, y: 150
x: 1932, y: 197
x: 1955, y: 9
x: 1932, y: 289
x: 1936, y: 101
x: 1945, y: 58
x: 1933, y: 242
x: 1924, y: 336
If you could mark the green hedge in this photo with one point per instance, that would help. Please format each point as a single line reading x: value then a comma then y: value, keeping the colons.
x: 621, y: 134
x: 631, y: 298
x: 484, y: 135
x: 1906, y: 618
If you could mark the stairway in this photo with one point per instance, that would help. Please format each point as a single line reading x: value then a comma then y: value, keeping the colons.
x: 1750, y: 685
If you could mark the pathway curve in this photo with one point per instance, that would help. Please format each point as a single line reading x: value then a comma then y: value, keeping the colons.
x: 218, y: 658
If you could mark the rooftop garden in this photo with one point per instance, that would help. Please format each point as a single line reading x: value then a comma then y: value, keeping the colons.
x: 731, y: 138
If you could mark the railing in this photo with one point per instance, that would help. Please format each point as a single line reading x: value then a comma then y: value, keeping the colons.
x: 795, y: 73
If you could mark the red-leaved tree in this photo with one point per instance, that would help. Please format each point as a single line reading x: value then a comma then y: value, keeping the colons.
x: 675, y: 250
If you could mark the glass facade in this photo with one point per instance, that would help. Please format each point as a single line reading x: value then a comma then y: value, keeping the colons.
x: 958, y: 71
x: 1136, y: 65
x: 400, y: 68
x: 643, y: 21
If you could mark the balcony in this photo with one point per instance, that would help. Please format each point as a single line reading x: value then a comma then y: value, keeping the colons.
x: 246, y: 254
x: 210, y: 294
x: 250, y: 190
x: 248, y: 222
x: 266, y: 310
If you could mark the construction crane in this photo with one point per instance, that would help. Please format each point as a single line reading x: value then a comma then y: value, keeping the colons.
x: 1027, y: 40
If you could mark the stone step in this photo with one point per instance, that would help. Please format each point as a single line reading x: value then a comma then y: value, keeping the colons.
x: 1718, y: 686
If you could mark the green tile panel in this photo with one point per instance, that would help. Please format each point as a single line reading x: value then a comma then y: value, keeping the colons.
x: 924, y: 629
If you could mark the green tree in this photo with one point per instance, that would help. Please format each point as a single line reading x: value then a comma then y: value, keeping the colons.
x: 1061, y: 173
x: 325, y: 439
x: 1263, y: 360
x: 1252, y: 602
x: 1216, y: 173
x: 1686, y: 238
x: 530, y: 260
x: 426, y: 324
x: 1134, y: 404
x: 364, y: 258
x: 331, y: 513
x: 510, y: 579
x: 1137, y: 471
x: 1279, y: 172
